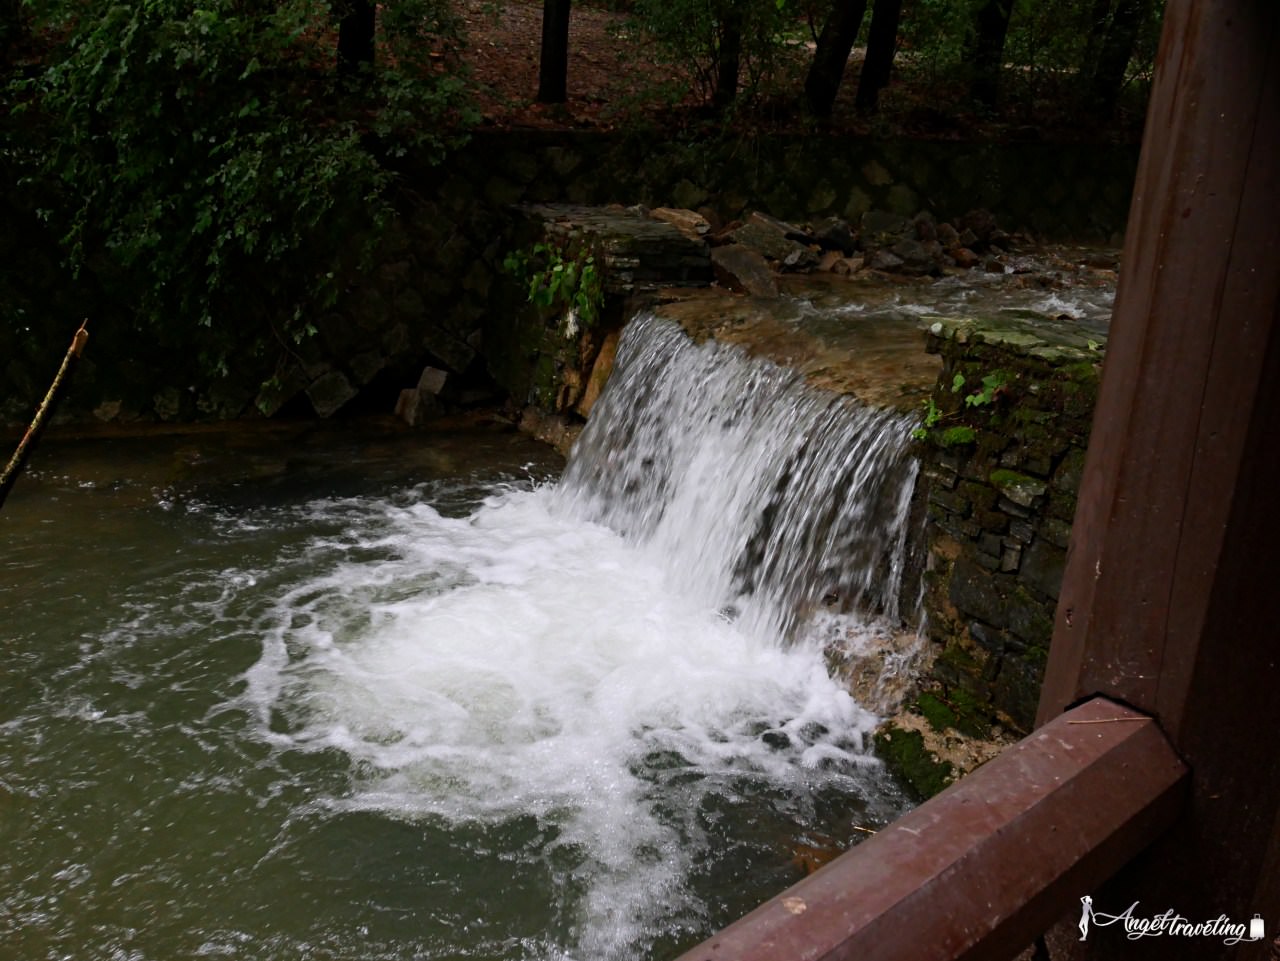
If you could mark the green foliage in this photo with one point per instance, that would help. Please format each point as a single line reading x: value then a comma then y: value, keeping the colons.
x: 213, y: 169
x: 994, y: 385
x: 692, y: 34
x: 556, y: 276
x: 1049, y: 49
x: 991, y: 385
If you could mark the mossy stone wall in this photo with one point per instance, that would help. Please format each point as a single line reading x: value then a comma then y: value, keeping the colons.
x: 1001, y: 494
x: 431, y: 297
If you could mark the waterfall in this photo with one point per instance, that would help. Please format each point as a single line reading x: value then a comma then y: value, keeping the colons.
x: 766, y: 498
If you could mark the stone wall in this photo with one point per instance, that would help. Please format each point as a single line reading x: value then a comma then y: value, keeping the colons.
x: 431, y: 299
x: 1001, y: 467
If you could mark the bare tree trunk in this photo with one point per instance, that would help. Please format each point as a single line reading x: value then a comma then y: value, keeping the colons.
x: 729, y: 58
x: 1099, y: 17
x: 553, y: 68
x: 986, y: 52
x: 356, y: 36
x: 1107, y: 81
x: 882, y: 43
x: 832, y: 53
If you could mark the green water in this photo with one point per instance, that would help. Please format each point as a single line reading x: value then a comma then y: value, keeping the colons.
x: 153, y: 806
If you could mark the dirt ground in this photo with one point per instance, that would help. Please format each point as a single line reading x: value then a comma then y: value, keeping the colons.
x: 616, y: 77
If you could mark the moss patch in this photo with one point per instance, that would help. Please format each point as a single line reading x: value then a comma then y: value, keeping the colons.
x: 907, y: 758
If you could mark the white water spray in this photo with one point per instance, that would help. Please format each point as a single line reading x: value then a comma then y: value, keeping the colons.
x: 621, y: 658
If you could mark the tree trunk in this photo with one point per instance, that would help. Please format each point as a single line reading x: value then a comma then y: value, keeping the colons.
x: 553, y: 68
x: 986, y: 52
x: 882, y: 42
x: 1113, y: 57
x: 1099, y: 17
x: 728, y: 59
x: 355, y: 36
x: 832, y: 53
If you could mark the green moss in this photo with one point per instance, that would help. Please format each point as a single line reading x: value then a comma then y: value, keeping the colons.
x: 960, y: 659
x: 1004, y: 477
x: 955, y: 436
x: 972, y: 716
x: 939, y: 716
x: 904, y: 753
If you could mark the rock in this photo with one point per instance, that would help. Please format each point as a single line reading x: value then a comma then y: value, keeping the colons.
x: 829, y: 259
x: 741, y: 268
x: 884, y: 260
x: 834, y: 233
x: 881, y: 227
x: 168, y: 404
x: 600, y: 371
x: 329, y: 392
x: 964, y: 257
x: 433, y: 381
x: 108, y: 410
x: 772, y: 243
x: 1042, y: 567
x: 416, y: 407
x: 948, y: 236
x: 367, y: 365
x: 926, y: 229
x: 788, y: 230
x: 692, y: 225
x: 918, y: 258
x: 981, y: 222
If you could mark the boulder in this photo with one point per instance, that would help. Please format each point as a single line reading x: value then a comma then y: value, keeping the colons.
x: 741, y: 268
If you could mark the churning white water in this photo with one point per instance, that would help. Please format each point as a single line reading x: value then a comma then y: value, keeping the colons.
x: 622, y: 658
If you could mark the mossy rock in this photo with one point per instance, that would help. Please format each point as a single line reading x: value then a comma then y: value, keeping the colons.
x: 904, y: 753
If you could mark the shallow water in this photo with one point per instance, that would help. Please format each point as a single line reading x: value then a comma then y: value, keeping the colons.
x: 327, y: 693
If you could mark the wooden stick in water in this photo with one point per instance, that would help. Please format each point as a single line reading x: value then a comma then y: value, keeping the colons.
x: 19, y: 458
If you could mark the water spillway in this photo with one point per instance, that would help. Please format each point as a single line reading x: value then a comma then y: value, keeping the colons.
x: 763, y: 496
x: 474, y: 714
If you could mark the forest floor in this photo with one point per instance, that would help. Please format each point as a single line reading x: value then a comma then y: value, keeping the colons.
x: 616, y: 78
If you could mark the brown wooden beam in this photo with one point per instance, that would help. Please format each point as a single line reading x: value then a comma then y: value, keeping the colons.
x: 980, y: 870
x: 1168, y: 600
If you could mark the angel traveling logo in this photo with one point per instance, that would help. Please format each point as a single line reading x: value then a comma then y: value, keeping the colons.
x: 1170, y: 922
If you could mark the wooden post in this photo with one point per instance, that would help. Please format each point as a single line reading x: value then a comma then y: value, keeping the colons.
x: 1168, y: 600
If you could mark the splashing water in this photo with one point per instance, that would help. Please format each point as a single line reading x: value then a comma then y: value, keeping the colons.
x: 586, y: 720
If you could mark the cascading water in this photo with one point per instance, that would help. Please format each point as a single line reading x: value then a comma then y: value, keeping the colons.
x: 581, y: 720
x: 759, y: 494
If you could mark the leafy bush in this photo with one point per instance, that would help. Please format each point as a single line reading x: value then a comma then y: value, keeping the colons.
x: 212, y: 168
x: 697, y: 35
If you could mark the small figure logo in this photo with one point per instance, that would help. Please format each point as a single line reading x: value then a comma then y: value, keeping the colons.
x: 1086, y: 915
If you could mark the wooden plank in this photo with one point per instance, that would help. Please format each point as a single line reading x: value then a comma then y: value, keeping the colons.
x: 981, y: 869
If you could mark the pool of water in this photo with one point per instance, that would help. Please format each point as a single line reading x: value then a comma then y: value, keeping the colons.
x: 349, y: 692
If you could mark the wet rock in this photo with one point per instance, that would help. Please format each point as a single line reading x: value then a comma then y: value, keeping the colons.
x: 741, y: 268
x: 835, y: 234
x: 981, y: 223
x: 433, y: 381
x: 884, y: 260
x: 601, y: 368
x: 948, y: 236
x: 918, y: 258
x: 329, y: 392
x: 774, y: 244
x: 692, y: 225
x: 829, y: 259
x: 416, y: 407
x: 882, y: 227
x: 1042, y: 567
x: 964, y: 258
